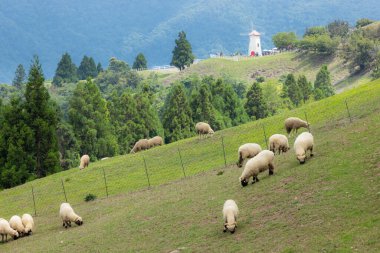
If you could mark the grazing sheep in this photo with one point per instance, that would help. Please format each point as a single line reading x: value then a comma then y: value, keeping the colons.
x: 248, y: 150
x: 141, y: 144
x: 84, y: 161
x: 28, y: 222
x: 293, y: 124
x: 156, y: 141
x: 16, y: 224
x: 230, y: 214
x: 68, y: 215
x: 260, y: 163
x: 302, y: 144
x: 5, y: 230
x: 278, y: 142
x: 203, y: 129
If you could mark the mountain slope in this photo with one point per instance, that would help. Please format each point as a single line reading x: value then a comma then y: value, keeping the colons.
x: 103, y: 29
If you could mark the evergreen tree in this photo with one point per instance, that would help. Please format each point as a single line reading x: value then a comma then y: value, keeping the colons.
x: 294, y: 92
x: 89, y: 117
x: 322, y: 84
x: 66, y: 71
x: 140, y: 62
x: 255, y: 105
x: 87, y: 68
x: 202, y: 108
x: 19, y: 78
x: 182, y: 52
x: 177, y: 120
x: 42, y: 120
x: 233, y: 107
x: 68, y: 145
x: 99, y: 67
x: 305, y: 87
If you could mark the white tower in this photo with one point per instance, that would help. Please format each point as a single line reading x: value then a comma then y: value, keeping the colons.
x: 254, y: 44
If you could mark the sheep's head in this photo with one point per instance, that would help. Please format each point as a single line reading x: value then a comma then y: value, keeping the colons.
x: 244, y: 182
x: 28, y: 231
x: 79, y: 221
x: 210, y: 132
x: 301, y: 157
x: 15, y: 235
x: 229, y: 227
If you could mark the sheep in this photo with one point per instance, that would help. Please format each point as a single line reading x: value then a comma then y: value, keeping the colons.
x: 156, y: 141
x: 278, y: 142
x: 203, y: 129
x: 293, y: 124
x: 141, y: 144
x: 230, y: 214
x: 84, y: 162
x: 260, y: 163
x: 28, y: 222
x: 5, y: 230
x: 302, y: 144
x: 68, y: 215
x: 248, y: 150
x: 16, y: 224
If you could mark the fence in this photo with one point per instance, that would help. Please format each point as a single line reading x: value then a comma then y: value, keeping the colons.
x: 176, y: 161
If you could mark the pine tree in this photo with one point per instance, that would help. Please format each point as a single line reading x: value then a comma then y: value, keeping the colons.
x: 305, y: 87
x: 87, y: 68
x: 177, y: 121
x: 255, y: 105
x: 89, y: 116
x: 322, y: 84
x: 66, y: 71
x: 41, y: 118
x: 233, y: 107
x: 294, y: 92
x: 99, y: 67
x: 19, y: 78
x: 202, y: 108
x: 182, y: 52
x: 140, y: 62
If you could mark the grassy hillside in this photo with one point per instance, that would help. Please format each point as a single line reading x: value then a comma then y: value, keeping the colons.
x: 329, y: 204
x: 247, y: 69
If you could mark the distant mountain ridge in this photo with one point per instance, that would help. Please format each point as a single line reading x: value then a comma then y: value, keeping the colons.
x: 103, y: 29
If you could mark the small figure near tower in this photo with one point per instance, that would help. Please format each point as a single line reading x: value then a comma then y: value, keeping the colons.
x: 254, y: 48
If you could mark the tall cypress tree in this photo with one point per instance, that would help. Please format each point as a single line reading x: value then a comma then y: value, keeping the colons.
x: 203, y: 110
x: 87, y: 68
x: 182, y: 52
x: 255, y: 105
x: 99, y: 67
x: 66, y: 71
x: 19, y: 78
x: 322, y: 84
x: 177, y: 121
x: 41, y: 118
x: 140, y: 62
x: 294, y: 92
x: 305, y: 87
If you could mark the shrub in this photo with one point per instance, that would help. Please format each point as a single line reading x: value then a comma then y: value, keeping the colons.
x: 90, y: 197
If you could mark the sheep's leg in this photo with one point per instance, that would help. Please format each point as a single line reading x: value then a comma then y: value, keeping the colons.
x: 271, y: 169
x: 311, y: 151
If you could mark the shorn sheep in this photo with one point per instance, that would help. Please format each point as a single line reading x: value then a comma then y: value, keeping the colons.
x: 294, y: 123
x: 261, y: 162
x: 141, y: 144
x: 5, y: 230
x: 28, y: 222
x: 68, y: 215
x: 302, y: 144
x: 203, y: 128
x: 230, y: 214
x: 16, y: 224
x: 84, y: 162
x: 278, y: 142
x: 248, y: 150
x: 156, y: 141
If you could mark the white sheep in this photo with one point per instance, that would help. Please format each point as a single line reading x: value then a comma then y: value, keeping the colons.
x: 230, y: 214
x: 16, y: 224
x: 5, y: 230
x: 278, y: 142
x: 68, y: 215
x: 248, y: 150
x: 302, y: 144
x: 203, y: 128
x: 156, y: 141
x: 84, y: 162
x: 28, y: 222
x: 141, y: 144
x: 260, y: 163
x: 294, y: 123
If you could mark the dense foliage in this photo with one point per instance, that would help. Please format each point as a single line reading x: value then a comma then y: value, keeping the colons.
x: 66, y: 71
x: 182, y: 52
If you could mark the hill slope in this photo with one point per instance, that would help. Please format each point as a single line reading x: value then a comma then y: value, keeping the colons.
x: 329, y: 203
x: 103, y: 29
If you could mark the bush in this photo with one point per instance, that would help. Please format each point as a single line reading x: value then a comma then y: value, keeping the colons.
x: 90, y: 197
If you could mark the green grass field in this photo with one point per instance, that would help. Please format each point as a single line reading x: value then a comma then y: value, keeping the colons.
x: 330, y: 204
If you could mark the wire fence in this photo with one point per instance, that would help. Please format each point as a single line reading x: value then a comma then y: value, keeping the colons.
x: 176, y: 161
